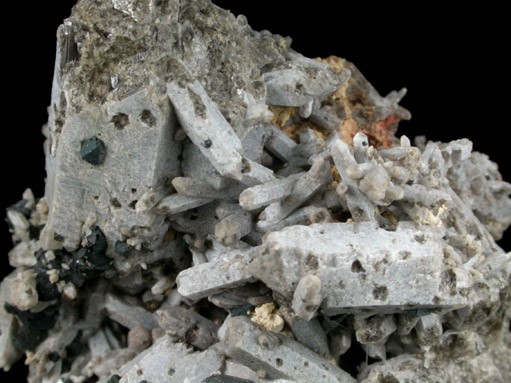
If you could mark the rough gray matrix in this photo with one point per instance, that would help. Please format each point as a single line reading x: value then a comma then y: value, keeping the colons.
x: 220, y: 208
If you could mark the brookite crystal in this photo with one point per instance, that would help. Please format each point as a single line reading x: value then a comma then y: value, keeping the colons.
x: 220, y: 208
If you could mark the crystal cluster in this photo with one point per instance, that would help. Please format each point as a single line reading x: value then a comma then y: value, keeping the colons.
x: 220, y: 208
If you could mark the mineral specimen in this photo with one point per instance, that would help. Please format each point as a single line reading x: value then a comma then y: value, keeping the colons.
x: 220, y: 208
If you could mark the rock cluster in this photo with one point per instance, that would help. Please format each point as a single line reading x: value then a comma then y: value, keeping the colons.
x: 220, y: 208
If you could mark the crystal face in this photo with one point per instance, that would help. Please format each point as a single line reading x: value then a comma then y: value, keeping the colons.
x: 221, y: 208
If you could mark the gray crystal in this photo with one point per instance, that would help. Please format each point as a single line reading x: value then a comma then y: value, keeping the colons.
x: 267, y: 193
x: 227, y: 271
x: 279, y: 356
x: 129, y: 315
x: 359, y: 258
x: 203, y: 122
x: 167, y: 361
x: 220, y: 208
x: 308, y: 332
x: 280, y: 145
x: 314, y: 80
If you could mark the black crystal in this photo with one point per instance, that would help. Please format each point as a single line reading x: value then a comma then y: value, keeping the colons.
x: 93, y: 151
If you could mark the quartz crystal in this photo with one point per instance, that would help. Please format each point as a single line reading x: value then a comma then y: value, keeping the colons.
x: 220, y: 208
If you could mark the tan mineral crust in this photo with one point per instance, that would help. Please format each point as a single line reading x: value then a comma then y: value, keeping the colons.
x: 222, y: 209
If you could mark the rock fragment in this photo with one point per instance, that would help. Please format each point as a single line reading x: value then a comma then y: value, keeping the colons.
x: 23, y: 291
x: 139, y: 338
x: 9, y: 354
x: 268, y: 317
x: 185, y: 325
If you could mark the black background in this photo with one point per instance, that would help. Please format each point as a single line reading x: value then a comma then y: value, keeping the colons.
x: 451, y: 60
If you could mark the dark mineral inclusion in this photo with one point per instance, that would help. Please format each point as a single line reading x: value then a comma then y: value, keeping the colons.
x: 93, y: 151
x: 226, y: 379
